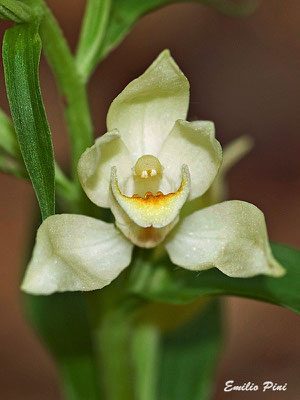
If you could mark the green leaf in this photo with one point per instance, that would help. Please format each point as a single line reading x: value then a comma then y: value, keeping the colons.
x: 16, y: 11
x: 189, y: 356
x: 21, y: 54
x: 167, y: 283
x: 62, y: 322
x: 124, y: 14
x: 92, y: 33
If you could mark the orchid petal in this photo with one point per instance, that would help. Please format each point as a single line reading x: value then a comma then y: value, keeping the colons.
x: 146, y: 110
x: 230, y: 236
x: 75, y: 252
x: 95, y: 164
x: 218, y: 191
x: 193, y: 144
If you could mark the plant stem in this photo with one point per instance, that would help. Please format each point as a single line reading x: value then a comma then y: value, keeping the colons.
x: 66, y: 188
x: 145, y: 349
x: 64, y: 68
x: 114, y: 335
x: 113, y: 317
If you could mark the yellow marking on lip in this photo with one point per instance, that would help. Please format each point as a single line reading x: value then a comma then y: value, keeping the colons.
x: 153, y: 210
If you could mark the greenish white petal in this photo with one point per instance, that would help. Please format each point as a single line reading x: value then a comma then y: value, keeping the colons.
x: 75, y: 252
x: 193, y: 144
x: 230, y: 236
x: 95, y: 165
x: 232, y: 153
x: 146, y: 110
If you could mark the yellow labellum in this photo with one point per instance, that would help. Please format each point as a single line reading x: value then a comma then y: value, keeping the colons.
x: 153, y: 210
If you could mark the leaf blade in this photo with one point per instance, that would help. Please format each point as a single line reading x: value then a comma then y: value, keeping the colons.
x: 92, y: 34
x: 16, y: 11
x: 21, y: 54
x: 170, y: 284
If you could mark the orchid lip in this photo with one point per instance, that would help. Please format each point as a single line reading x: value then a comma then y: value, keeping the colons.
x: 156, y: 210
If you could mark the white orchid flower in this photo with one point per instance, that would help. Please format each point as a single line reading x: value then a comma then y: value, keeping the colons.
x: 149, y: 164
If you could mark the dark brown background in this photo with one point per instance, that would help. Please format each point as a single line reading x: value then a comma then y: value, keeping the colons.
x: 245, y: 77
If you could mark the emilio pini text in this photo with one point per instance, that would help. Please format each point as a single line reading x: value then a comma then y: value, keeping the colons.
x: 266, y: 386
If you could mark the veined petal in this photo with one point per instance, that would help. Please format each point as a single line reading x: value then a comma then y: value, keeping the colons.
x: 75, y: 252
x: 193, y: 144
x: 230, y: 236
x: 156, y: 210
x: 146, y: 110
x: 95, y: 164
x: 142, y: 237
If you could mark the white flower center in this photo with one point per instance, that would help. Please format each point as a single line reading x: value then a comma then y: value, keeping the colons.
x: 147, y: 166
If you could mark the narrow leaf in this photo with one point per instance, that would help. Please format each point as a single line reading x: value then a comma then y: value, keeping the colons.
x: 91, y: 36
x: 21, y: 54
x: 167, y: 283
x: 16, y: 11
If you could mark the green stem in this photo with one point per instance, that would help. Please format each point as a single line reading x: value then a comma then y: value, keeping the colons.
x: 71, y: 197
x: 145, y: 350
x: 114, y: 336
x: 64, y: 68
x: 113, y: 318
x: 11, y: 166
x: 66, y: 188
